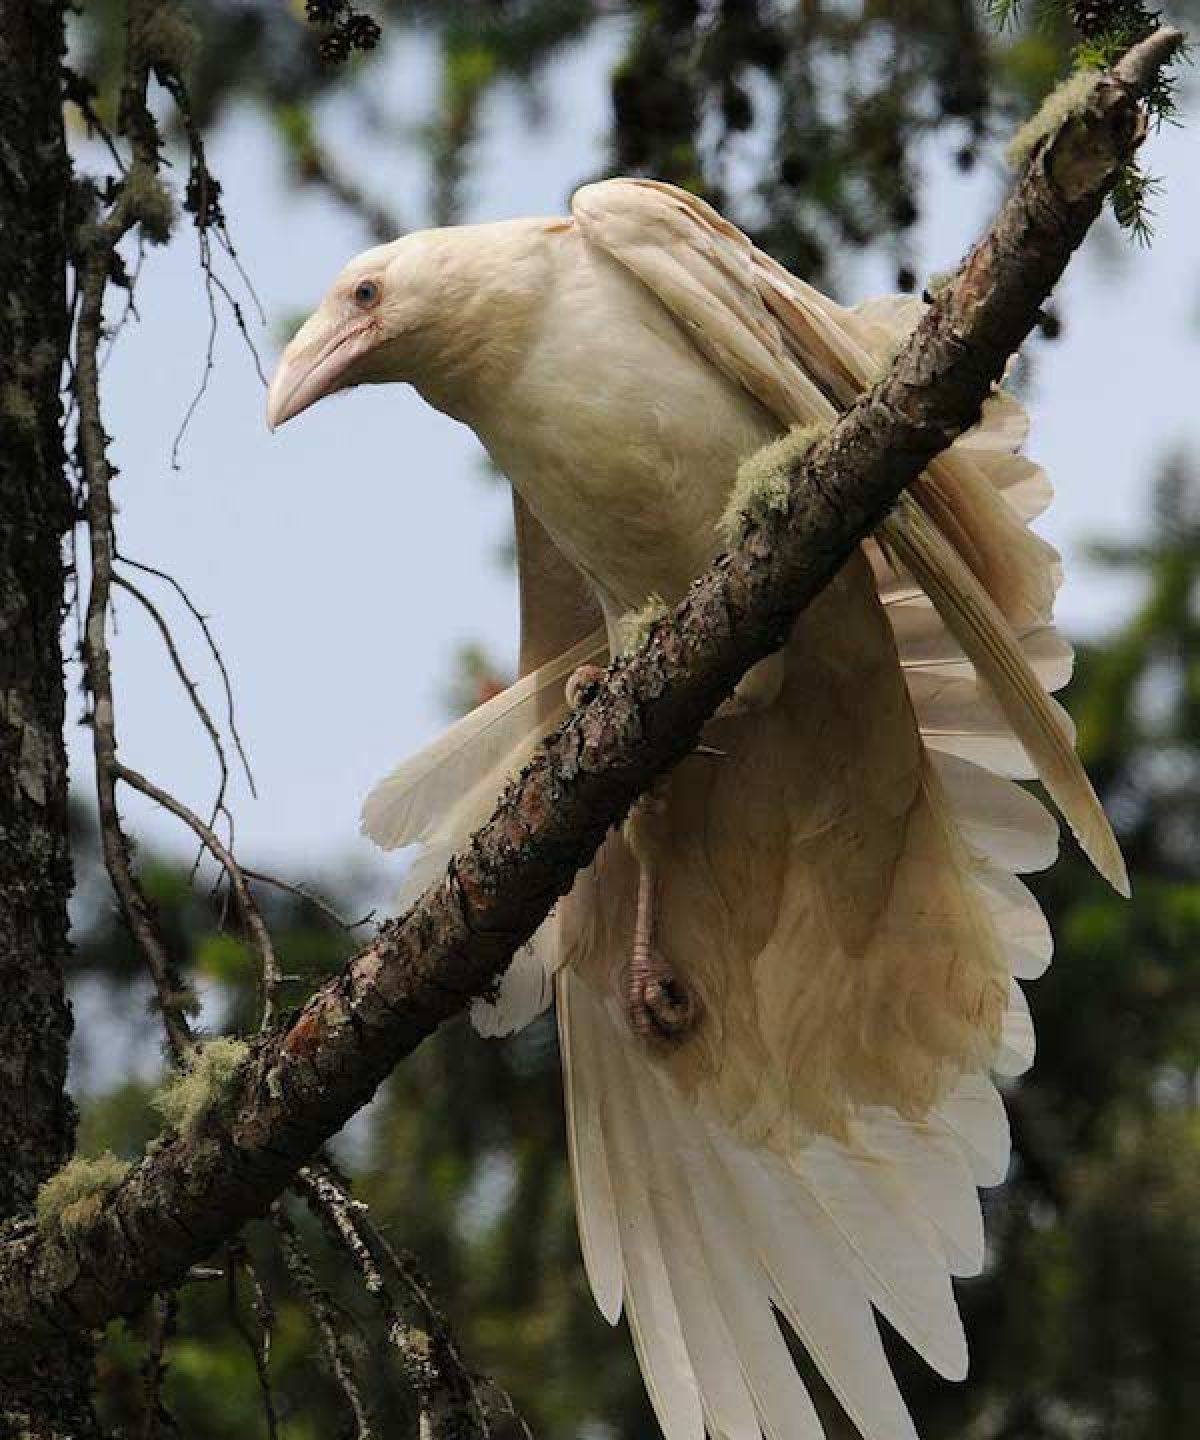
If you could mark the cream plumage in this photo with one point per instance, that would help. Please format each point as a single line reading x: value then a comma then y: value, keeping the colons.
x: 835, y: 893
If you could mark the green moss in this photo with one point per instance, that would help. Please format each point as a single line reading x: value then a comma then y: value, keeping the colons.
x: 205, y: 1088
x: 151, y: 202
x: 764, y: 481
x: 938, y: 280
x: 635, y: 627
x: 74, y: 1197
x: 1067, y: 99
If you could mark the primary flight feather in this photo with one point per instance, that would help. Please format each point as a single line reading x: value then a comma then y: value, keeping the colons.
x: 784, y: 984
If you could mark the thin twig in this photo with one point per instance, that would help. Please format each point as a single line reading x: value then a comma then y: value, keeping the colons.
x: 156, y: 1418
x: 129, y: 310
x: 214, y: 285
x: 189, y: 685
x: 210, y: 220
x: 447, y: 1394
x: 259, y: 1347
x: 339, y: 1211
x: 78, y: 90
x: 321, y: 1307
x: 303, y: 892
x: 271, y: 974
x: 214, y: 650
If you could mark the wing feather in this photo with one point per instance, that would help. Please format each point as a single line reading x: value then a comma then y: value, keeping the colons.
x: 901, y: 1261
x: 595, y: 1206
x: 1037, y: 722
x: 803, y: 356
x: 930, y: 1163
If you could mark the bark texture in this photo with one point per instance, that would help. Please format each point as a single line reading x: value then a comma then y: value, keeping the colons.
x: 37, y: 1121
x: 301, y: 1084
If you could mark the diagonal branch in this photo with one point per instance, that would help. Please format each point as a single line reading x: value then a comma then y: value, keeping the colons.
x: 301, y: 1084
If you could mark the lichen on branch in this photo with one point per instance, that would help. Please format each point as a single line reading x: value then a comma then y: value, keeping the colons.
x: 74, y: 1196
x: 764, y: 482
x: 206, y: 1086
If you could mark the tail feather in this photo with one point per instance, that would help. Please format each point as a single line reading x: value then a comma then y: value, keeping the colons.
x: 651, y: 1307
x: 725, y: 1399
x: 596, y: 1210
x: 712, y: 1233
x: 811, y: 1273
x: 781, y: 1401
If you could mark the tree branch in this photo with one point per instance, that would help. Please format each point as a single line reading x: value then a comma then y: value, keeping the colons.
x: 300, y: 1085
x: 98, y: 242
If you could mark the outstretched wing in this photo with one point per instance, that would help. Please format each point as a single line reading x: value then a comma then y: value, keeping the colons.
x: 440, y: 796
x: 803, y: 357
x: 559, y: 613
x: 841, y: 893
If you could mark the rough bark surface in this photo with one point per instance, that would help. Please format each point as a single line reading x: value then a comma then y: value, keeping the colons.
x: 302, y: 1083
x: 37, y: 1121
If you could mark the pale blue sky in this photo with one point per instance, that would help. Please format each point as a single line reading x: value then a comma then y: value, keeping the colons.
x: 341, y: 559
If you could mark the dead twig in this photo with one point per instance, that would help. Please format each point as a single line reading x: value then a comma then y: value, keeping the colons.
x: 203, y: 200
x: 157, y: 1420
x: 272, y: 976
x: 448, y: 1397
x: 139, y: 914
x: 320, y: 1306
x: 190, y: 687
x: 309, y: 896
x: 213, y: 648
x: 238, y: 1258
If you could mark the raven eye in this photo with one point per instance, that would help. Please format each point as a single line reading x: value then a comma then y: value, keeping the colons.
x: 366, y: 294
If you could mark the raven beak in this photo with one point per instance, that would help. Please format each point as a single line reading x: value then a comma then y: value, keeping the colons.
x: 310, y: 369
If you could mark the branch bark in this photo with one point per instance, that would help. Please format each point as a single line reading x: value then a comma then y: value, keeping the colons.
x: 301, y: 1084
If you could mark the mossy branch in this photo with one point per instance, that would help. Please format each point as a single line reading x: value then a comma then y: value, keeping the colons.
x: 764, y: 482
x: 635, y: 627
x: 74, y: 1196
x: 206, y: 1087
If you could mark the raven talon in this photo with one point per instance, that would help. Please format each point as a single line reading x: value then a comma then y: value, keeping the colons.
x: 664, y: 1009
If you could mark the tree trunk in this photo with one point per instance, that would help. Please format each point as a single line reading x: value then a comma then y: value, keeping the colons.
x: 49, y: 1397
